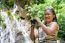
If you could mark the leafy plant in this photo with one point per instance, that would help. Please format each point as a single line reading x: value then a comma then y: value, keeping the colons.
x: 2, y: 24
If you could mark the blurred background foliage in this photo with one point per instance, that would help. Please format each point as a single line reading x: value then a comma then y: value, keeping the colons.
x: 37, y: 7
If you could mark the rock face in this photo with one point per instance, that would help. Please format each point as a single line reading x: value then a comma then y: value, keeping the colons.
x: 19, y: 36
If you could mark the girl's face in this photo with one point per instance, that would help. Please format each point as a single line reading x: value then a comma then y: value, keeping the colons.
x: 48, y: 16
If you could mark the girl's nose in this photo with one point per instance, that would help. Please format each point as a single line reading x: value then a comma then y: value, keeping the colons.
x: 46, y: 16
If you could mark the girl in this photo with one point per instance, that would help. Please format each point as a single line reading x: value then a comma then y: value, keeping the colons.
x: 49, y: 29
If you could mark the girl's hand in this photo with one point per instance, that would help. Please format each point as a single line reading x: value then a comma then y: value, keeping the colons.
x: 37, y: 19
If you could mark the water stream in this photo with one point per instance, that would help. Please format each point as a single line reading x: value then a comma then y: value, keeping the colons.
x: 8, y: 35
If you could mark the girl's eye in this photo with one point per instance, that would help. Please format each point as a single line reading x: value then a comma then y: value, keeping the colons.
x: 47, y: 14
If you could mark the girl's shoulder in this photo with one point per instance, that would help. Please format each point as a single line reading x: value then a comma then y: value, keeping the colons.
x: 55, y: 24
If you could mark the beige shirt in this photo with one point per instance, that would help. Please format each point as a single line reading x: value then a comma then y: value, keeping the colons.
x: 42, y: 35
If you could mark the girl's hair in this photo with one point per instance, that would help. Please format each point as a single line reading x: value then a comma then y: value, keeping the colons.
x: 53, y: 12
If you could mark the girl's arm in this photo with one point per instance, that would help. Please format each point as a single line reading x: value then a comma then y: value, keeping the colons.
x: 33, y: 33
x: 51, y: 30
